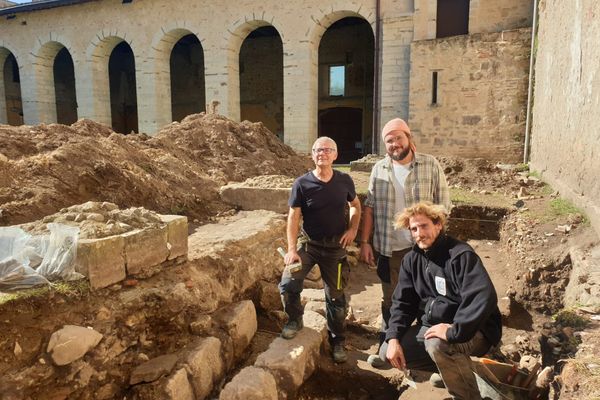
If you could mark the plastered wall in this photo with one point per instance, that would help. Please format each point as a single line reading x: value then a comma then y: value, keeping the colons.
x: 565, y: 137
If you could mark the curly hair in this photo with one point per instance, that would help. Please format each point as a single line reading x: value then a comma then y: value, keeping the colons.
x: 435, y: 212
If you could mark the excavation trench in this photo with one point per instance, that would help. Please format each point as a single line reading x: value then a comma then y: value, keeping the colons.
x: 194, y: 308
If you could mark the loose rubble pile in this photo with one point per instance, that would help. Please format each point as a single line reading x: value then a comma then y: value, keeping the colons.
x: 97, y: 220
x: 45, y: 168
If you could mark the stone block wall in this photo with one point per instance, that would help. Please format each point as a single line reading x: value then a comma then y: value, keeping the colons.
x: 481, y: 95
x: 495, y: 16
x: 91, y: 30
x: 137, y: 253
x: 565, y: 139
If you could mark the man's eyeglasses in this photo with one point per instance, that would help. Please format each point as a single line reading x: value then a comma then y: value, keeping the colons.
x: 324, y: 150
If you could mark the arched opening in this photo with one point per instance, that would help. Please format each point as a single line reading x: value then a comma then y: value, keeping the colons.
x: 12, y: 91
x: 64, y: 88
x: 123, y: 98
x: 261, y: 79
x: 187, y: 78
x: 346, y: 55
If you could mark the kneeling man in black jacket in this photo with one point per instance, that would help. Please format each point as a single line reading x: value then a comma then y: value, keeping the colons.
x: 445, y: 287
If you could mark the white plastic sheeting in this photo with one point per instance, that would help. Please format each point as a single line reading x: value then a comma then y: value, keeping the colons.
x: 27, y: 261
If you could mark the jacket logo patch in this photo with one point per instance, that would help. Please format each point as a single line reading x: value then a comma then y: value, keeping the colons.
x: 440, y: 285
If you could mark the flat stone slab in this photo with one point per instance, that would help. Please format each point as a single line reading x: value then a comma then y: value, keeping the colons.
x: 250, y: 384
x: 153, y: 369
x: 292, y: 362
x: 267, y: 192
x: 71, y: 343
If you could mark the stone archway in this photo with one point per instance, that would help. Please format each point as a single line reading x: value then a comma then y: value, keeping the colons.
x: 11, y: 103
x: 187, y: 77
x: 261, y: 78
x: 345, y: 81
x: 238, y: 33
x: 64, y: 87
x: 123, y: 93
x: 171, y: 102
x: 97, y: 85
x: 54, y: 83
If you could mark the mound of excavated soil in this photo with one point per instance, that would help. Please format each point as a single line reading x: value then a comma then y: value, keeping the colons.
x: 479, y: 174
x: 45, y: 168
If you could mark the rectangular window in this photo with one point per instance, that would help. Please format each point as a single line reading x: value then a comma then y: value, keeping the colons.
x: 452, y: 18
x: 337, y: 80
x: 434, y: 88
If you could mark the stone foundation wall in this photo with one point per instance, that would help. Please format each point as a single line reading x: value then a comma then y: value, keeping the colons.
x: 138, y: 253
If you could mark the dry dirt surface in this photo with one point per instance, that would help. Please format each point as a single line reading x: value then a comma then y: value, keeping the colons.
x: 48, y: 168
x: 45, y: 168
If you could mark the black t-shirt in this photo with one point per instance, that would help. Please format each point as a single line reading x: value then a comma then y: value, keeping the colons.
x: 323, y: 204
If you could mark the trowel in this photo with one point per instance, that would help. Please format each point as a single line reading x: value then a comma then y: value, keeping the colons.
x: 408, y: 379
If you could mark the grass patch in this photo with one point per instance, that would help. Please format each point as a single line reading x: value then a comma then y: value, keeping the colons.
x: 460, y: 196
x: 342, y: 168
x: 561, y: 211
x: 546, y: 190
x: 560, y: 207
x: 570, y: 318
x: 521, y: 167
x: 178, y: 209
x: 73, y: 289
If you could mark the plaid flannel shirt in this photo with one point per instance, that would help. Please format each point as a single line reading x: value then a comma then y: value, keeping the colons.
x: 425, y: 182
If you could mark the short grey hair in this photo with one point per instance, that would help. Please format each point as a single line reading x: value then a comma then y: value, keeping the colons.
x: 324, y: 139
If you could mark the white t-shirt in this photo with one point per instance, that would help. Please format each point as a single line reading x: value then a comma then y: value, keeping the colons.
x: 402, y: 238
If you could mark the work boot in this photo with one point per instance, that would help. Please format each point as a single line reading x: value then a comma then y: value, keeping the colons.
x: 339, y: 354
x: 291, y: 329
x: 375, y: 362
x: 436, y: 380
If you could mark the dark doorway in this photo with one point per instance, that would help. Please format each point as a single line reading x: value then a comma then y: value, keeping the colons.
x: 187, y: 78
x: 346, y: 87
x: 261, y: 79
x: 12, y: 90
x: 452, y: 18
x: 64, y: 88
x: 343, y: 124
x: 123, y: 99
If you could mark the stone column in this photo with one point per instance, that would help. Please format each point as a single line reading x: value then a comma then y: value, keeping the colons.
x: 300, y: 97
x: 92, y: 87
x: 3, y: 105
x: 395, y: 69
x: 153, y: 80
x: 222, y: 80
x: 37, y: 90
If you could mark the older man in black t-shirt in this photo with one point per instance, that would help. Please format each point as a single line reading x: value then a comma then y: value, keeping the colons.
x: 320, y: 197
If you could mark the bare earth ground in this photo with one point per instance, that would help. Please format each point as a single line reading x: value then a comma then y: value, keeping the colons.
x: 49, y: 167
x: 45, y: 168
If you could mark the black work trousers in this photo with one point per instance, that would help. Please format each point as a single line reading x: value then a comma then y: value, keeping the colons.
x: 332, y: 262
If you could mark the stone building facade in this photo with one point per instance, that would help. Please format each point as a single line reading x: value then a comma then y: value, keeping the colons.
x: 139, y: 65
x: 565, y: 138
x: 468, y: 94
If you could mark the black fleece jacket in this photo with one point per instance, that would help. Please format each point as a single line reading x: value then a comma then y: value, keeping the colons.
x: 450, y: 279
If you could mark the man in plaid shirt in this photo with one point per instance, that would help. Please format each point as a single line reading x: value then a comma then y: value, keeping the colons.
x: 403, y: 178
